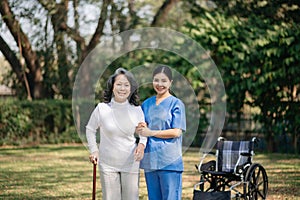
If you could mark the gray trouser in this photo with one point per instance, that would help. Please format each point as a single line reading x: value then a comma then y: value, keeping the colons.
x: 119, y: 185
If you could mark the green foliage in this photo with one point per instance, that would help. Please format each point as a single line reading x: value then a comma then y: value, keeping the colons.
x: 259, y: 64
x: 276, y: 83
x: 255, y: 45
x: 228, y: 43
x: 47, y: 121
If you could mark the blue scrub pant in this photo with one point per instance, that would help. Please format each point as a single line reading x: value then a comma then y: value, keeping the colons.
x: 164, y: 185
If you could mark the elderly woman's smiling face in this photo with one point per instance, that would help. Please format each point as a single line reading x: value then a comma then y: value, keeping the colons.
x: 121, y: 88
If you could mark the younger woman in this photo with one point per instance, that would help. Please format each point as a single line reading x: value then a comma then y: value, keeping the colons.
x: 165, y: 121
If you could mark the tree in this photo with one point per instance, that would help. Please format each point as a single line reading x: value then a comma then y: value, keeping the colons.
x: 276, y: 84
x: 51, y: 63
x: 254, y: 43
x: 34, y: 76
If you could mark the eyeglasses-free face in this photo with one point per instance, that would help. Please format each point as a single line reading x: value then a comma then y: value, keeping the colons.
x: 161, y: 84
x: 121, y: 88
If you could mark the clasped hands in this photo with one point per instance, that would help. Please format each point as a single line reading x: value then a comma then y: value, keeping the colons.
x: 143, y: 130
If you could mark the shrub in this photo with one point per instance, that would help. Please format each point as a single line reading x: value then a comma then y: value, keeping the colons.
x: 36, y: 122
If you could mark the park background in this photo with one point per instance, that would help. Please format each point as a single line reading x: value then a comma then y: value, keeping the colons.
x: 254, y: 44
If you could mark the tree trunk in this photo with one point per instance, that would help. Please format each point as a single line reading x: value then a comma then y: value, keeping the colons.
x: 59, y: 21
x: 163, y: 12
x: 99, y: 30
x: 295, y: 143
x: 32, y: 63
x: 12, y: 59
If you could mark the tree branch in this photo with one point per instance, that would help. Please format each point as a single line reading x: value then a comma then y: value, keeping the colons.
x: 11, y: 58
x: 99, y: 30
x: 54, y: 9
x: 163, y: 12
x: 17, y: 33
x: 33, y: 78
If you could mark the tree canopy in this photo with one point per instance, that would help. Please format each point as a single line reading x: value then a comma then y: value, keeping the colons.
x: 52, y: 38
x: 255, y: 45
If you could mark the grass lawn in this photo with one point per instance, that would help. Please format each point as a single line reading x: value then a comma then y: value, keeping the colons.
x: 63, y: 172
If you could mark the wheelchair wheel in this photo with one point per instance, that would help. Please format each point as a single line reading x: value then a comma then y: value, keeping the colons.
x: 257, y: 179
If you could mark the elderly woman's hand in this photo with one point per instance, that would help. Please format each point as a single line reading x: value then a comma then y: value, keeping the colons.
x: 139, y: 152
x: 94, y: 157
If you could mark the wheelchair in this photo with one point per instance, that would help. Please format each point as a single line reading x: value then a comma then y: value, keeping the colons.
x: 231, y: 174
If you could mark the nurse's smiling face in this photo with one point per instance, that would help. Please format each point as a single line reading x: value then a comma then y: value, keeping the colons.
x: 121, y: 88
x: 161, y: 84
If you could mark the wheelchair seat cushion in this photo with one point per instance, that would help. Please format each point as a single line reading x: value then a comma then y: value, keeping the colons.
x: 229, y: 153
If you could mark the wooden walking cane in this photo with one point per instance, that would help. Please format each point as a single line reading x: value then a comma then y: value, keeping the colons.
x: 94, y: 181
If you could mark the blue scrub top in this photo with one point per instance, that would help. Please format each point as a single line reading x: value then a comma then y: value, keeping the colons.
x: 164, y: 154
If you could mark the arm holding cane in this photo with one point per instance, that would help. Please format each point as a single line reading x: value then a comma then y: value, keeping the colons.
x: 94, y: 157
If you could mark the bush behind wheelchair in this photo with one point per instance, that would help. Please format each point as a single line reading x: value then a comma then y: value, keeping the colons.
x: 231, y: 174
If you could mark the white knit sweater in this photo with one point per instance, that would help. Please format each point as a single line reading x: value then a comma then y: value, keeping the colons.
x: 117, y: 122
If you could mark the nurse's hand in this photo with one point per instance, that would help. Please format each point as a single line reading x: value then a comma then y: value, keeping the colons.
x: 142, y: 124
x: 94, y: 157
x: 147, y: 132
x: 139, y: 152
x: 143, y: 130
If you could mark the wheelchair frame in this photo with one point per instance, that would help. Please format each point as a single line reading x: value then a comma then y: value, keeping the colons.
x: 247, y: 180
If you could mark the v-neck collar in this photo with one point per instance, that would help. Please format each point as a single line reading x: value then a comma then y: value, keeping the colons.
x: 157, y: 104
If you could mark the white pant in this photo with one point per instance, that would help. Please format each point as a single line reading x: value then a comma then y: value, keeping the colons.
x: 119, y: 185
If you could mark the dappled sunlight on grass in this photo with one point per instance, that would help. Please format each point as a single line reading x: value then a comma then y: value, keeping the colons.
x: 64, y: 172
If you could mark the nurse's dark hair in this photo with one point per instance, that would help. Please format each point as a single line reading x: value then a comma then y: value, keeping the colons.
x: 163, y: 69
x: 133, y: 98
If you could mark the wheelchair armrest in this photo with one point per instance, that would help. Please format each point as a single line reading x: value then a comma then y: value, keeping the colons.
x: 246, y: 154
x: 209, y: 166
x: 209, y: 153
x: 240, y: 169
x: 199, y: 166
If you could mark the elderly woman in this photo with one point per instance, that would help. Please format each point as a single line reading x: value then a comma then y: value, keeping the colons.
x: 119, y: 152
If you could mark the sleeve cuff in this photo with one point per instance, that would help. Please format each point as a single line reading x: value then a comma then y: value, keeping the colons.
x: 143, y: 140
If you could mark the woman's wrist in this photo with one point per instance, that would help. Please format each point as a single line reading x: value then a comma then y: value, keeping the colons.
x: 142, y: 145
